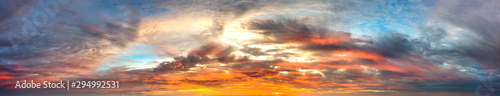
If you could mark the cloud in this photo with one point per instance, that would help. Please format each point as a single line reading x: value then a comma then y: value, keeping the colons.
x: 14, y: 8
x: 289, y: 30
x: 263, y: 47
x: 336, y: 66
x: 478, y: 18
x: 59, y: 48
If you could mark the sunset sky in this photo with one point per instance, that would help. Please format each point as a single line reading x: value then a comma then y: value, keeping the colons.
x: 253, y: 47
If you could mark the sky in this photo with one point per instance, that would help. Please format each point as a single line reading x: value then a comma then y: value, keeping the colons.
x: 253, y: 47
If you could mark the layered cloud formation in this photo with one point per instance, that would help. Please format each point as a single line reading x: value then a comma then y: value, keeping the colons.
x: 355, y: 47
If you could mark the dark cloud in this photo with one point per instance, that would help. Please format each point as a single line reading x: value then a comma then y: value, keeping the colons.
x: 12, y: 8
x: 291, y: 30
x: 394, y: 45
x: 180, y: 63
x: 477, y: 17
x: 213, y: 52
x: 9, y: 10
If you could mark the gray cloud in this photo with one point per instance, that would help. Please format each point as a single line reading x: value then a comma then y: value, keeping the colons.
x: 59, y: 47
x: 478, y: 17
x: 12, y: 8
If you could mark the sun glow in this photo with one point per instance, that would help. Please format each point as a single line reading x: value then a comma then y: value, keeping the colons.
x: 234, y: 31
